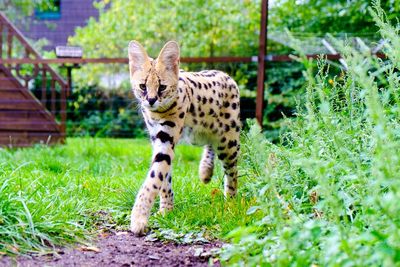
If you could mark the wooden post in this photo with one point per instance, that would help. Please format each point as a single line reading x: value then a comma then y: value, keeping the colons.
x: 1, y: 40
x: 44, y: 87
x: 69, y: 79
x: 261, y: 62
x: 63, y: 110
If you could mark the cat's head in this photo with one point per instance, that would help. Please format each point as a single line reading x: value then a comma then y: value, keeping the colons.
x: 154, y: 81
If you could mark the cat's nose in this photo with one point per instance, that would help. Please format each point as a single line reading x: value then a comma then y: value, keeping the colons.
x: 152, y: 101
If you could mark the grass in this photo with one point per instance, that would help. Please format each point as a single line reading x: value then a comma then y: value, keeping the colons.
x: 59, y: 195
x: 328, y: 194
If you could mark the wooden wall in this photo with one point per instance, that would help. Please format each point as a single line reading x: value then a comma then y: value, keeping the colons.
x: 23, y: 119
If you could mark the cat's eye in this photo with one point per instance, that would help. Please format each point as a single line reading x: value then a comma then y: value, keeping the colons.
x: 161, y: 87
x: 142, y: 87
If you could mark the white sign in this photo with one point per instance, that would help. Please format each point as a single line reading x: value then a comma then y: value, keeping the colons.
x: 69, y: 51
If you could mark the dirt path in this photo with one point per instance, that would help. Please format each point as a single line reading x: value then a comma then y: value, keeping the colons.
x: 124, y: 249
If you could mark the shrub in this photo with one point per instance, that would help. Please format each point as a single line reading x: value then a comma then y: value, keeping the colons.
x: 100, y: 113
x: 328, y: 193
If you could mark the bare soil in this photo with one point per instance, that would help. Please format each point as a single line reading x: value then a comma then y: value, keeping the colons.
x: 123, y: 249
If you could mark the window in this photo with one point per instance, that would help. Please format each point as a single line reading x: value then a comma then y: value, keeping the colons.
x: 48, y: 10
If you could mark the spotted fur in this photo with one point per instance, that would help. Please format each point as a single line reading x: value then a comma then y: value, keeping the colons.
x: 203, y: 106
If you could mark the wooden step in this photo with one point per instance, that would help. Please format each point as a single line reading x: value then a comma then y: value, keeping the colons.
x: 24, y: 121
x: 10, y: 139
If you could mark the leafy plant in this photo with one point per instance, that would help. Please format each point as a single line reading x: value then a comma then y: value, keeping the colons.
x: 94, y: 112
x: 328, y: 194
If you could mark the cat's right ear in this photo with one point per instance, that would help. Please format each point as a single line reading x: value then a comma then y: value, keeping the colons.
x: 137, y: 57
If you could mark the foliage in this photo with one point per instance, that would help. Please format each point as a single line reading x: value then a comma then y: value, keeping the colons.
x: 64, y: 194
x: 232, y: 29
x: 94, y: 112
x: 318, y: 17
x: 328, y: 195
x: 285, y: 89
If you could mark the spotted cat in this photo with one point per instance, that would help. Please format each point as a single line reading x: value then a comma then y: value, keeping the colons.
x: 201, y: 105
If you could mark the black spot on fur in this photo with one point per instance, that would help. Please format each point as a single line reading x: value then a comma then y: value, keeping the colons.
x: 160, y: 157
x: 182, y: 115
x: 234, y: 105
x: 227, y: 115
x: 204, y: 100
x: 160, y: 176
x: 233, y: 164
x: 233, y: 156
x: 232, y: 143
x: 168, y: 123
x: 192, y: 110
x: 226, y: 104
x: 191, y: 81
x: 201, y: 114
x: 222, y: 156
x: 152, y: 174
x: 223, y: 139
x: 164, y: 137
x: 168, y: 109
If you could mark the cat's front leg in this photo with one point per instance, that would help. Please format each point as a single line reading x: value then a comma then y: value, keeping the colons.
x: 163, y: 153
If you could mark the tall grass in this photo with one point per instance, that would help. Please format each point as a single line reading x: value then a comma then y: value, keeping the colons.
x: 329, y: 194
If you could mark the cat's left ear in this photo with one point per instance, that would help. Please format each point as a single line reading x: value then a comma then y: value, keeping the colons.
x: 169, y: 56
x: 137, y: 57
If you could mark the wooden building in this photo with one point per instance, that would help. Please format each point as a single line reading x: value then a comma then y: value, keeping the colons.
x: 25, y: 118
x: 58, y: 24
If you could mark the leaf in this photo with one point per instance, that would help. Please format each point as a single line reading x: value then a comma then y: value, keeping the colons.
x: 154, y: 257
x: 90, y: 248
x: 253, y: 209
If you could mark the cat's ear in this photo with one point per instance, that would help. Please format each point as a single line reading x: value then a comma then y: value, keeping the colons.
x: 169, y: 56
x: 137, y: 57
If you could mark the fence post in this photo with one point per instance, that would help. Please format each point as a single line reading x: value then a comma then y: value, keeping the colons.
x: 261, y: 61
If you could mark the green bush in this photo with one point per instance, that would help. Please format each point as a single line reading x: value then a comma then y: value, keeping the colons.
x: 94, y: 112
x: 328, y: 195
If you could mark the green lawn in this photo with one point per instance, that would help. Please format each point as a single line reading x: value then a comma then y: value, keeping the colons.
x: 63, y: 194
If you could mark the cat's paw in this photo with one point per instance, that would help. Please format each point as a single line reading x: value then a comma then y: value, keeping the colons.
x: 138, y: 225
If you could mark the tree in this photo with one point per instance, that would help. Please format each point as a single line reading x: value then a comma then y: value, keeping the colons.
x: 318, y: 17
x: 202, y: 27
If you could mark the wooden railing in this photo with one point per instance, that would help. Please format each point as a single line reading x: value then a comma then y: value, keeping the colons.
x: 54, y: 89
